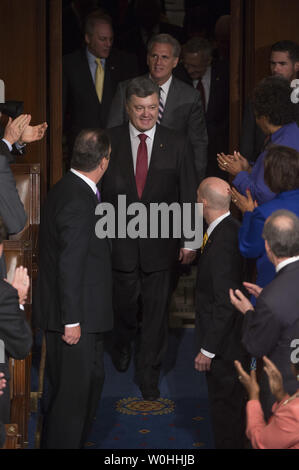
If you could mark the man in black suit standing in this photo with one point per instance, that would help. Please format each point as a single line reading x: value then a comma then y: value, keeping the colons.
x: 273, y: 324
x: 218, y: 324
x: 180, y: 106
x: 73, y: 303
x: 90, y: 77
x: 151, y: 164
x: 211, y: 78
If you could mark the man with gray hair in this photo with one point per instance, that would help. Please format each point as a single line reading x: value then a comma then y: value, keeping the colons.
x: 273, y: 324
x: 151, y: 164
x: 211, y: 78
x: 218, y: 324
x: 180, y: 105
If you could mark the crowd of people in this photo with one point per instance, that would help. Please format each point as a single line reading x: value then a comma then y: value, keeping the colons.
x: 152, y: 123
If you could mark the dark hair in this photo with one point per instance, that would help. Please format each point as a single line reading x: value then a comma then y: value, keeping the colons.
x: 141, y: 87
x: 287, y: 46
x: 271, y: 98
x: 97, y: 16
x: 91, y: 146
x: 281, y: 169
x: 197, y: 44
x: 281, y: 230
x: 165, y: 39
x: 3, y: 232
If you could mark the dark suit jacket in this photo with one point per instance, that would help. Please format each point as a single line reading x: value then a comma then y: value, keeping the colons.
x: 74, y: 282
x: 220, y: 267
x: 270, y: 328
x: 11, y: 208
x: 217, y: 113
x: 16, y: 334
x: 171, y: 178
x: 183, y: 112
x: 81, y: 106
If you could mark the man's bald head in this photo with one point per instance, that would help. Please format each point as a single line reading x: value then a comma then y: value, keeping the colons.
x: 216, y: 193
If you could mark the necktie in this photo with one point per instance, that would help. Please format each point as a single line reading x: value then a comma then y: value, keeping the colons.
x: 204, y: 241
x: 141, y: 165
x: 201, y: 89
x: 161, y: 107
x: 98, y: 194
x: 99, y: 82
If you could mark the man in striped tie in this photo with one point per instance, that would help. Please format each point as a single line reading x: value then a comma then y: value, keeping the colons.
x: 180, y: 105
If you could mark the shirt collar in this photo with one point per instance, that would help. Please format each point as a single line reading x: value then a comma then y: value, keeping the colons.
x: 286, y: 262
x: 92, y: 58
x: 135, y: 132
x: 165, y: 86
x: 217, y: 221
x: 87, y: 180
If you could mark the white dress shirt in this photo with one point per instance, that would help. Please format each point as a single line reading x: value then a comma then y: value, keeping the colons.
x: 164, y: 89
x: 135, y: 141
x: 286, y: 262
x: 210, y: 229
x: 206, y: 82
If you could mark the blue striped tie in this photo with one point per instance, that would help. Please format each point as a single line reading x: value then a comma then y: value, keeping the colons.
x: 161, y: 108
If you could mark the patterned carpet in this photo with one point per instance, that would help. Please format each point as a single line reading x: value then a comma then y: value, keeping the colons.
x: 179, y: 419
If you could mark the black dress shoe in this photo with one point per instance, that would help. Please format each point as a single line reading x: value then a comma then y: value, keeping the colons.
x: 121, y: 358
x: 150, y: 393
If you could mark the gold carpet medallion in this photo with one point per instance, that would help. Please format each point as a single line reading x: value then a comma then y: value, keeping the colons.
x: 137, y: 406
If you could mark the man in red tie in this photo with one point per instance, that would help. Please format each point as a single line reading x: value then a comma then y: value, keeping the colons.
x: 211, y: 78
x: 151, y: 164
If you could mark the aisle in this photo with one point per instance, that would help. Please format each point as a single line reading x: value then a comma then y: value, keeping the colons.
x: 179, y: 419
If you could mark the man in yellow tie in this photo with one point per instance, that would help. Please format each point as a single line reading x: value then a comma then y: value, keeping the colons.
x: 218, y: 324
x: 91, y: 75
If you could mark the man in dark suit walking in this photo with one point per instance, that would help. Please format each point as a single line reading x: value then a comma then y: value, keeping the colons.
x: 73, y: 303
x: 90, y: 77
x: 211, y: 78
x: 151, y: 164
x: 218, y: 324
x: 273, y: 324
x: 180, y: 106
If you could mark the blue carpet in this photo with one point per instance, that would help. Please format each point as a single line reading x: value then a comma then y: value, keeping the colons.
x: 178, y: 420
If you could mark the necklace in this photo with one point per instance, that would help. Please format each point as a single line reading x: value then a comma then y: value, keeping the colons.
x: 291, y: 398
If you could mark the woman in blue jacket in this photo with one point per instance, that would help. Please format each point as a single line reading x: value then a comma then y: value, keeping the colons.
x: 281, y: 172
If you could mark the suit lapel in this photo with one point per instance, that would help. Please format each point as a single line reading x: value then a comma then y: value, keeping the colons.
x: 171, y: 101
x: 159, y: 146
x: 214, y: 235
x: 126, y: 161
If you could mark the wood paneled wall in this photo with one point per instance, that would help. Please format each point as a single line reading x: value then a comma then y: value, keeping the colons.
x: 23, y: 66
x: 255, y: 26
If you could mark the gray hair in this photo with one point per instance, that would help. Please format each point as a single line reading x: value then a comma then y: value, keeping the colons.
x: 141, y: 87
x: 196, y: 44
x: 281, y: 230
x: 165, y: 39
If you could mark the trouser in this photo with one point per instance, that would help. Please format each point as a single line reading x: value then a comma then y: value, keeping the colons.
x: 227, y: 398
x: 76, y: 376
x: 149, y: 293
